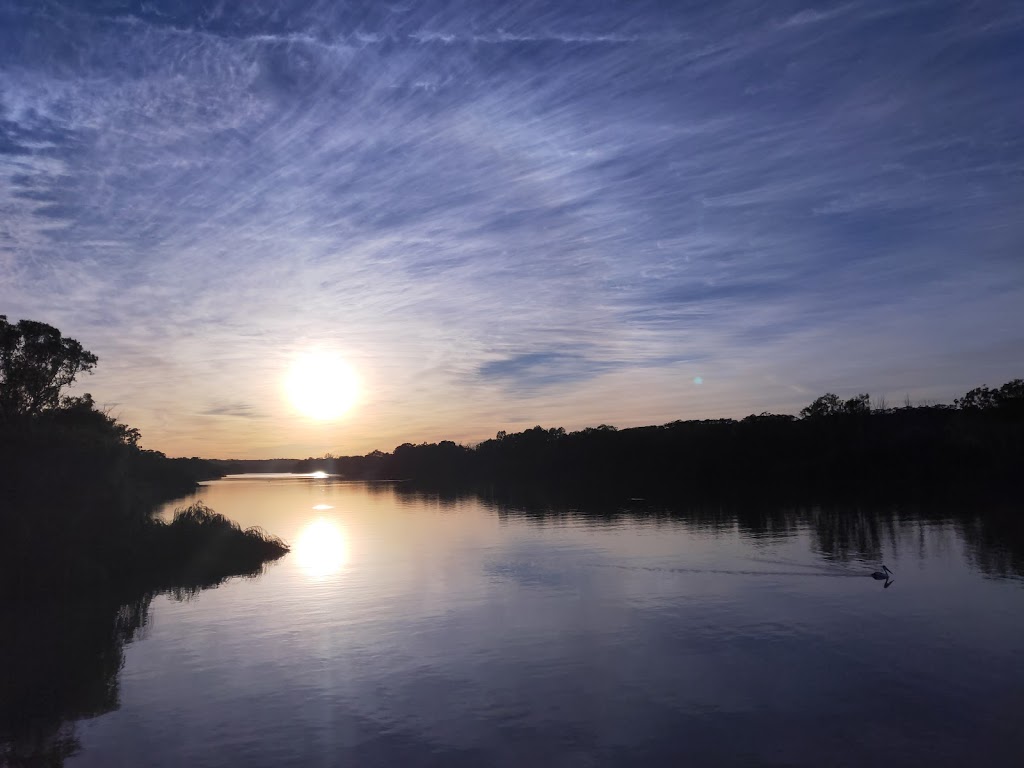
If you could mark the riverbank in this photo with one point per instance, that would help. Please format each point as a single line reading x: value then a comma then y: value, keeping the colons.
x: 76, y: 515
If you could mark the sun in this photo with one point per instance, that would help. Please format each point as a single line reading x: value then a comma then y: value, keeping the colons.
x: 322, y: 386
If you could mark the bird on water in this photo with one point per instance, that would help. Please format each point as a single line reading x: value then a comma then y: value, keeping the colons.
x: 882, y: 574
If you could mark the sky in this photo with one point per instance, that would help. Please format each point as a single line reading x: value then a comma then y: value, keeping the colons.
x: 502, y: 214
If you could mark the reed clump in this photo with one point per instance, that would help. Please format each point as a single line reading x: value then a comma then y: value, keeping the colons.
x: 200, y: 547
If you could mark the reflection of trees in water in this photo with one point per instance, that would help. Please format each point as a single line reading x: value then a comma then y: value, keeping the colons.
x: 995, y: 542
x: 58, y: 664
x: 993, y: 534
x: 756, y: 523
x: 842, y: 533
x: 993, y: 538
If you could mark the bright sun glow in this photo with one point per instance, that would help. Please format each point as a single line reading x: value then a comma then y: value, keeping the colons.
x: 321, y: 549
x: 322, y: 386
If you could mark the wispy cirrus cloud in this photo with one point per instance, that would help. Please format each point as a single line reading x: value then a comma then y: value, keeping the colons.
x: 517, y: 210
x: 236, y: 410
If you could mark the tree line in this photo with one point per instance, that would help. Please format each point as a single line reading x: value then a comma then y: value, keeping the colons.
x: 850, y: 447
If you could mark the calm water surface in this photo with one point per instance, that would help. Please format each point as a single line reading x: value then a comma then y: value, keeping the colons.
x: 406, y: 629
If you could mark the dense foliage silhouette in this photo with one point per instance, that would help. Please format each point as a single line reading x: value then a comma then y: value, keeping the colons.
x: 77, y: 492
x: 835, y: 448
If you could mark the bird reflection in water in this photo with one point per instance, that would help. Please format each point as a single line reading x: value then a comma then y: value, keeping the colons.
x: 885, y: 574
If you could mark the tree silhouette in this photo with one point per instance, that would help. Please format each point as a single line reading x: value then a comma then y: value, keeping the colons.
x: 830, y: 405
x: 36, y: 363
x: 1010, y: 395
x: 978, y: 399
x: 861, y: 404
x: 826, y: 405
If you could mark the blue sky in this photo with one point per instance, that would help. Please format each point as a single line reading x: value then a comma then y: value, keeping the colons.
x: 504, y: 214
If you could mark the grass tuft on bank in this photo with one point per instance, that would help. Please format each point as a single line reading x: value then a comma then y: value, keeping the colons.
x: 200, y: 547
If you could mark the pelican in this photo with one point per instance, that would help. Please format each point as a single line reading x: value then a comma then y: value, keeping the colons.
x: 882, y: 574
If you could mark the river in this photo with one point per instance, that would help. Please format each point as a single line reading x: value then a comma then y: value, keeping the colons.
x: 413, y: 629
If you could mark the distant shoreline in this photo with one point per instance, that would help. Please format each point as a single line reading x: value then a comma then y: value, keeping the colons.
x: 834, y: 449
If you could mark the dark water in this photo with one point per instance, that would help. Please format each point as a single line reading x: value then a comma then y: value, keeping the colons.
x: 406, y: 629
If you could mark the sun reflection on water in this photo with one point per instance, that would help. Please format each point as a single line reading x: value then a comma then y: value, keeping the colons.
x: 321, y: 548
